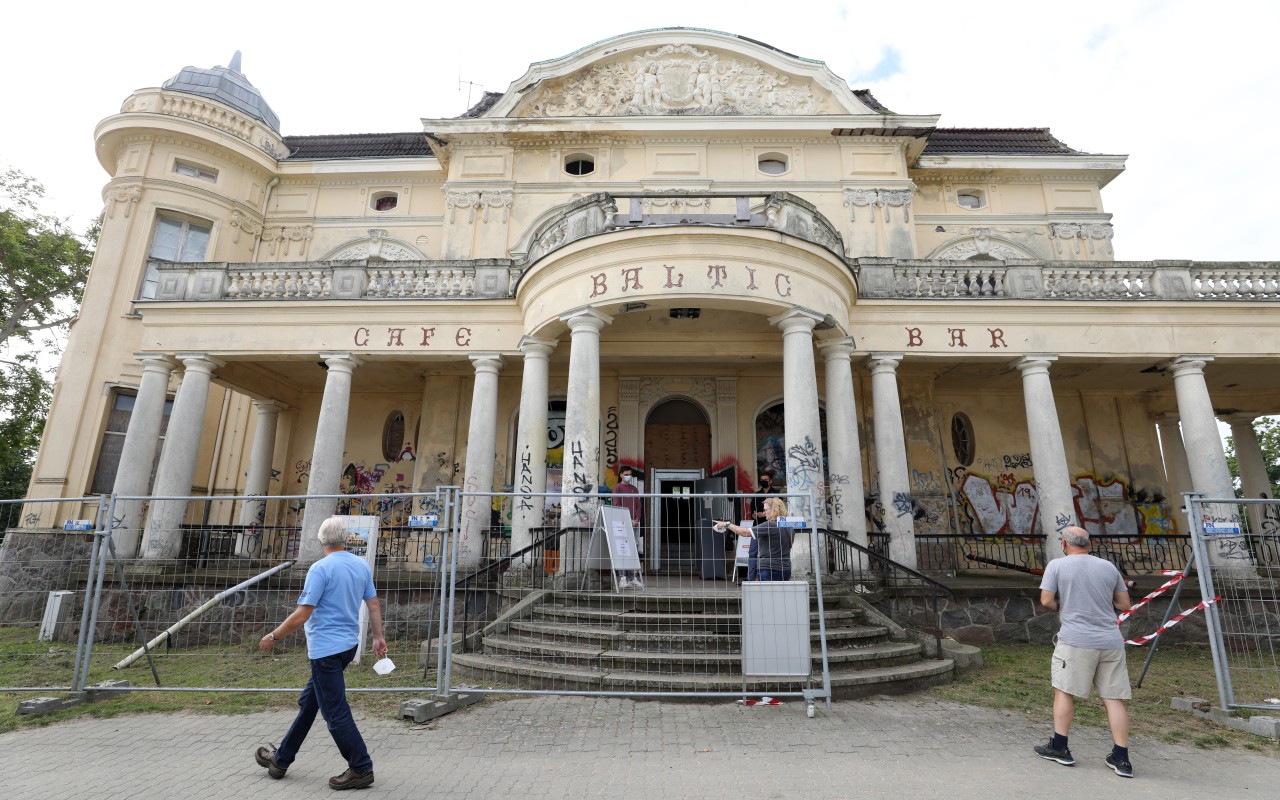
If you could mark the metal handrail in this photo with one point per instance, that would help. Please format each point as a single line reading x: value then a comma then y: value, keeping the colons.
x: 885, y: 561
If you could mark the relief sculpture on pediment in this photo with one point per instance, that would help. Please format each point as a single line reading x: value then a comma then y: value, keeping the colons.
x: 676, y: 79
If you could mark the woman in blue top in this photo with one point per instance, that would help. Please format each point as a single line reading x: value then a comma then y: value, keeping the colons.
x: 775, y: 542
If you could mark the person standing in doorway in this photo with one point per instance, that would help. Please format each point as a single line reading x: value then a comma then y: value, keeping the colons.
x: 1087, y: 591
x: 329, y: 608
x: 626, y: 495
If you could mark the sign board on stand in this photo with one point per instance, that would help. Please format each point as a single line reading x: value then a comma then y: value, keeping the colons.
x: 613, y: 543
x: 742, y: 553
x: 362, y: 540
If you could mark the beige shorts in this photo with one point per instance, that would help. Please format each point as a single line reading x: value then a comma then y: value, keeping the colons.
x: 1075, y: 669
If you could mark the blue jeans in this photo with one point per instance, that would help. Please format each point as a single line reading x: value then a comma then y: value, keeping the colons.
x: 775, y: 574
x: 326, y: 692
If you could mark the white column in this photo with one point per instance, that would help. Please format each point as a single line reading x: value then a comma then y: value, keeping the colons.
x: 478, y: 469
x: 1176, y: 471
x: 163, y: 536
x: 581, y: 429
x: 326, y: 452
x: 1209, y: 473
x: 133, y: 475
x: 801, y: 428
x: 1048, y: 455
x: 844, y: 451
x: 258, y: 481
x: 891, y: 458
x: 1254, y: 482
x: 531, y: 443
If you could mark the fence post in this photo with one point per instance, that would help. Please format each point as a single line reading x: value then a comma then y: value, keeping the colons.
x: 451, y: 539
x: 1204, y: 572
x: 84, y: 634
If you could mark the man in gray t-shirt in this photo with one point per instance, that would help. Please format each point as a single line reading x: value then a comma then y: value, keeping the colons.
x: 1086, y: 591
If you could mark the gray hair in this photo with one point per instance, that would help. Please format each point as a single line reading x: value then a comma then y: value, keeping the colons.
x: 1075, y: 536
x: 333, y: 532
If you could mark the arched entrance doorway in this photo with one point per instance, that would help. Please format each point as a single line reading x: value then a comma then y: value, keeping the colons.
x: 677, y: 453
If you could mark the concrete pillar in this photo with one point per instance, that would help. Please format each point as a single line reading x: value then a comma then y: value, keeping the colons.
x: 844, y: 451
x: 1209, y: 473
x: 1254, y: 482
x: 891, y: 458
x: 581, y: 429
x: 801, y: 428
x: 1176, y: 471
x: 478, y: 469
x: 530, y: 477
x: 133, y: 475
x: 1048, y: 455
x: 258, y: 481
x: 327, y: 452
x: 163, y: 536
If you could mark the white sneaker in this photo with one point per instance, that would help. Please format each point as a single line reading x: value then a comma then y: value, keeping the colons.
x: 622, y: 583
x: 636, y: 583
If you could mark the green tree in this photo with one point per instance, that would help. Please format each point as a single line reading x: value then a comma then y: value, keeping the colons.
x: 1268, y: 431
x: 43, y: 268
x: 43, y: 264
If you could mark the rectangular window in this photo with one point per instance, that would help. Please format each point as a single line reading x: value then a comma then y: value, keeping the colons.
x: 104, y: 475
x: 193, y: 171
x: 174, y: 240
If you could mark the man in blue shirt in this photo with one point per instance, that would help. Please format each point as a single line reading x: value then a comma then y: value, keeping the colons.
x: 329, y: 608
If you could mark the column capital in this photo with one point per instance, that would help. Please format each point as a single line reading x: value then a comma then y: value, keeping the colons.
x: 155, y: 362
x: 833, y: 349
x: 1239, y: 418
x: 726, y: 390
x: 486, y: 362
x: 533, y: 347
x: 880, y: 363
x: 340, y: 361
x: 268, y: 407
x: 1187, y: 365
x: 199, y: 362
x: 629, y: 390
x: 584, y: 318
x: 1035, y: 365
x: 797, y: 319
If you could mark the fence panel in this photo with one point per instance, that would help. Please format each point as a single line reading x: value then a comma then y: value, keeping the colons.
x: 541, y: 610
x: 203, y: 579
x: 1237, y: 551
x: 46, y: 559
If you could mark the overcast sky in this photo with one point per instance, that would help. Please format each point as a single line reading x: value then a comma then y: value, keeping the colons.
x: 1187, y: 89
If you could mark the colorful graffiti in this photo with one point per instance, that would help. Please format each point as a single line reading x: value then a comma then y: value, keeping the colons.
x: 1002, y: 507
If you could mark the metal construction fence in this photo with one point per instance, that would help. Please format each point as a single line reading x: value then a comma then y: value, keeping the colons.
x: 174, y: 593
x: 1237, y: 557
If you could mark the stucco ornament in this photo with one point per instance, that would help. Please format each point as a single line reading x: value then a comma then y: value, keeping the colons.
x: 123, y: 195
x: 980, y: 243
x: 884, y: 198
x: 676, y: 79
x: 376, y: 248
x: 241, y: 222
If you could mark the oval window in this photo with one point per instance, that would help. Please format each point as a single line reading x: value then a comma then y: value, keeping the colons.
x: 384, y: 201
x: 772, y: 164
x: 962, y: 441
x: 393, y: 437
x: 579, y: 165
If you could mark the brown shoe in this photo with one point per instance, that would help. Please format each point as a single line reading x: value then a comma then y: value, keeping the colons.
x: 266, y: 757
x: 352, y: 780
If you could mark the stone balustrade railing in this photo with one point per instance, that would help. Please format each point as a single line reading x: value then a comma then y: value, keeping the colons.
x: 1066, y: 280
x: 319, y: 280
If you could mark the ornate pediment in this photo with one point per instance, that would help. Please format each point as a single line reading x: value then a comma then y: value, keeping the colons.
x: 671, y: 72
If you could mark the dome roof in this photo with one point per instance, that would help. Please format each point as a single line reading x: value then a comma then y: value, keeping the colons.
x: 227, y: 85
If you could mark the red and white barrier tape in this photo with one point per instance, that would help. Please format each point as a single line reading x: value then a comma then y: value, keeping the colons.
x: 763, y: 701
x: 1173, y: 621
x: 1177, y: 576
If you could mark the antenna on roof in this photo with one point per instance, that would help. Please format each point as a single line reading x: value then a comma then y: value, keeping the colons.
x: 469, y: 85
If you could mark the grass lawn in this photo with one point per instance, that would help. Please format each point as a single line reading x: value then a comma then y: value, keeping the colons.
x: 1015, y: 677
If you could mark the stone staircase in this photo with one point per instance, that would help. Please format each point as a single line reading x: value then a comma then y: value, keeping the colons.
x: 681, y: 642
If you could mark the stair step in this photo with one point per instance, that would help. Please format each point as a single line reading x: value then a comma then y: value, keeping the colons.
x: 678, y: 641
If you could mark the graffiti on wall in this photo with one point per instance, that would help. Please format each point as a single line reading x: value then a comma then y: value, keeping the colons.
x: 997, y: 507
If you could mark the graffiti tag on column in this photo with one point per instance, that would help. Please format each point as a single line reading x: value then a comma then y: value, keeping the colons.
x: 804, y: 465
x: 902, y: 505
x: 526, y: 480
x: 611, y: 437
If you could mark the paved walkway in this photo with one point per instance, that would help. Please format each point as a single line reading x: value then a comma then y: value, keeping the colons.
x: 564, y: 747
